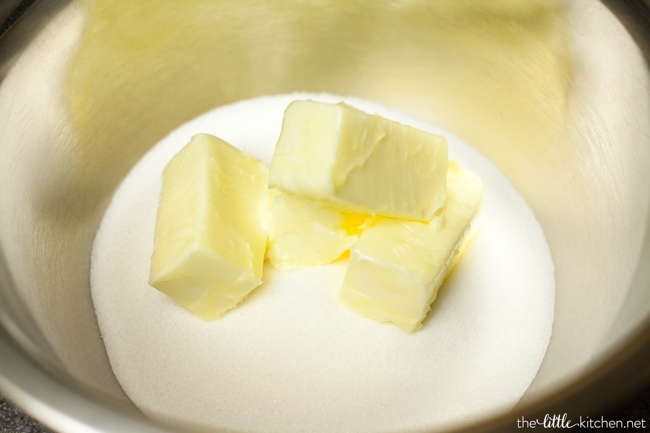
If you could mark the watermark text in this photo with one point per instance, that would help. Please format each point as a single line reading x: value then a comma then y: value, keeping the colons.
x: 563, y: 421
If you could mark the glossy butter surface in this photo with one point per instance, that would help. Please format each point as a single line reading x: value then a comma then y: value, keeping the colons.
x: 303, y: 232
x: 209, y: 238
x: 338, y: 154
x: 397, y: 267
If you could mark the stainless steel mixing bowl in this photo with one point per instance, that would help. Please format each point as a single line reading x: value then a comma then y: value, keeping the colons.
x: 558, y: 97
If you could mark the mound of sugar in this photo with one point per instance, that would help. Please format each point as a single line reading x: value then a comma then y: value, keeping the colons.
x: 291, y: 358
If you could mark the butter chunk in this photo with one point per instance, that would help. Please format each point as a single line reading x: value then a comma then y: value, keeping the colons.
x: 209, y: 242
x: 336, y: 153
x: 397, y: 267
x: 303, y: 232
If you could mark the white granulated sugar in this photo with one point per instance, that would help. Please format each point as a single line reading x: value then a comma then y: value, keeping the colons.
x: 291, y: 358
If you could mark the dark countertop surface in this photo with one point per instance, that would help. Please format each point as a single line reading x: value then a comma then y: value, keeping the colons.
x: 14, y: 420
x: 636, y: 408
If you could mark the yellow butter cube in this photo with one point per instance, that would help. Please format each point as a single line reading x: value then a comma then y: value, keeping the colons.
x: 397, y: 267
x: 209, y: 238
x: 336, y: 153
x: 303, y: 232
